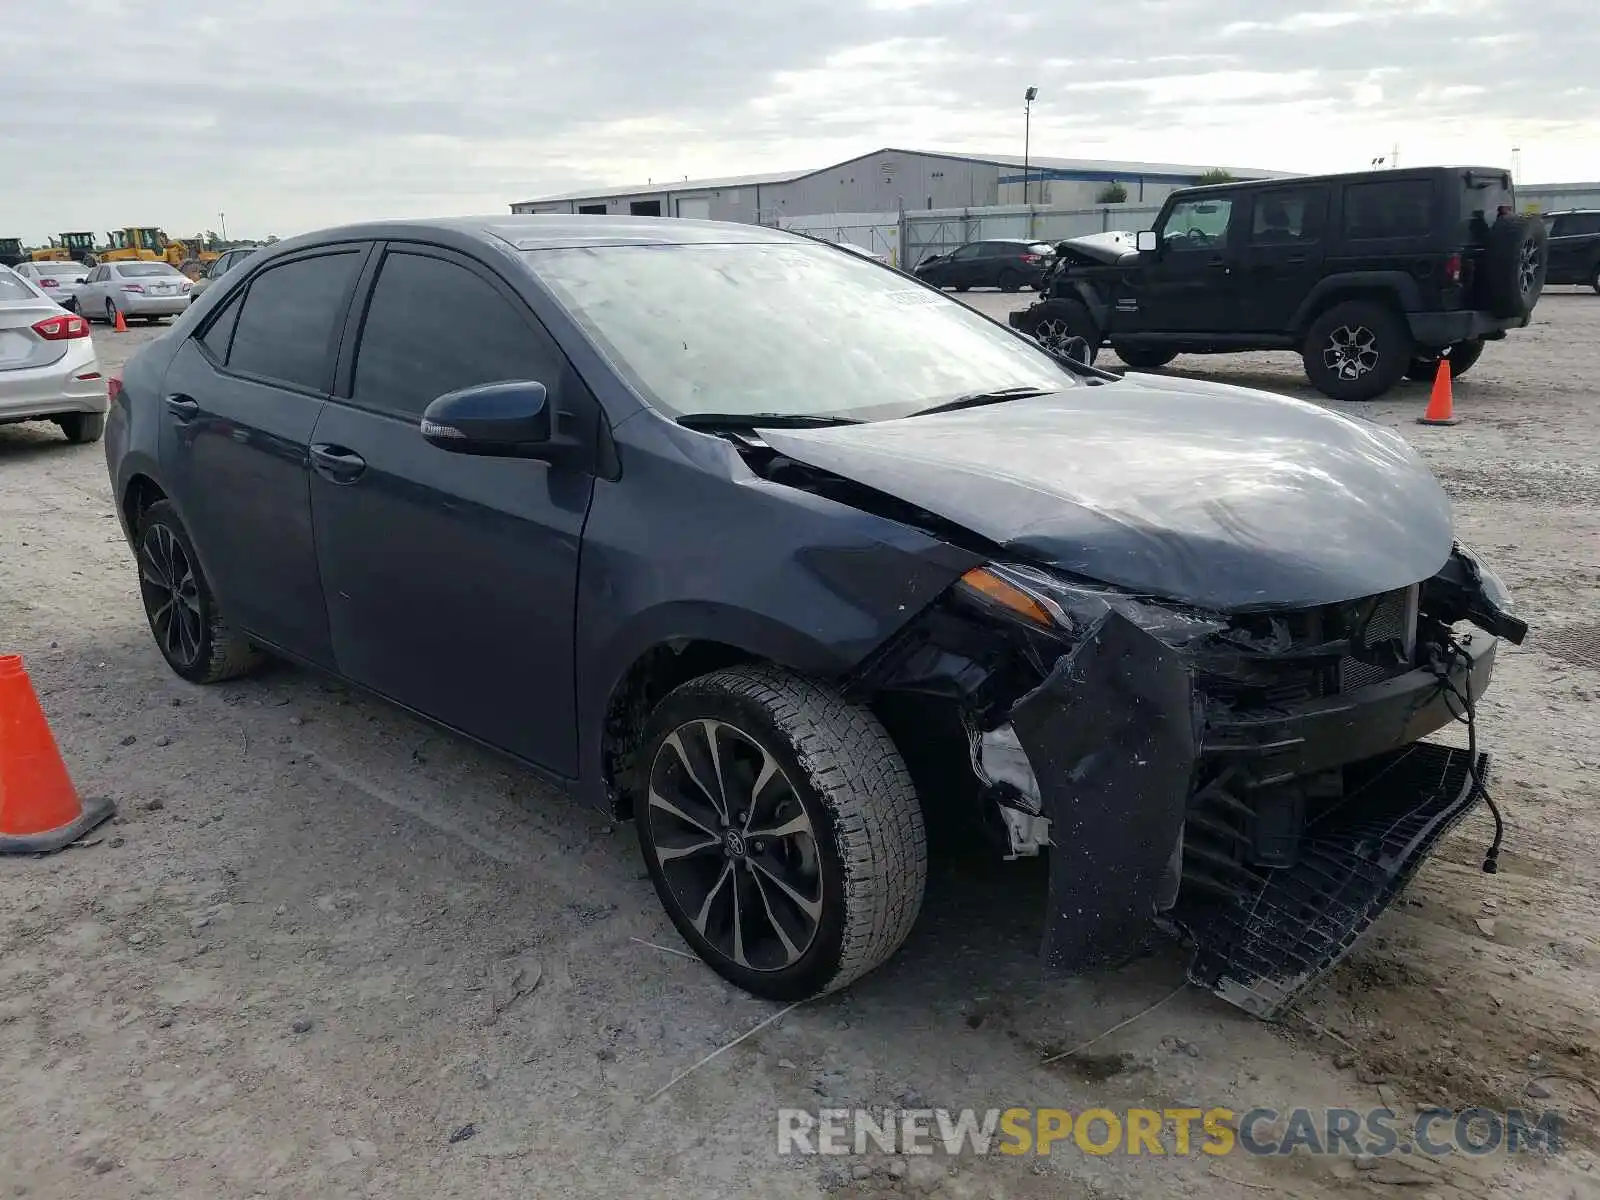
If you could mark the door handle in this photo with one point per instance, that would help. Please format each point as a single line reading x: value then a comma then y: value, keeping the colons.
x: 185, y: 408
x: 337, y: 463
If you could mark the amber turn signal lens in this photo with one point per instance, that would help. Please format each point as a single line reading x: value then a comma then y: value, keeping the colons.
x: 1007, y: 595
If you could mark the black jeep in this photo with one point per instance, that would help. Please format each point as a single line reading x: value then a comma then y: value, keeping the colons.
x: 1372, y: 276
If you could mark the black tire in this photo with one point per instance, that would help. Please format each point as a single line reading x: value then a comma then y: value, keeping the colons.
x: 185, y: 619
x: 1144, y: 358
x: 1052, y: 322
x: 1357, y: 350
x: 962, y: 287
x: 1594, y: 277
x: 1514, y: 265
x: 111, y: 312
x: 82, y: 428
x: 824, y: 902
x: 1424, y: 367
x: 1011, y: 281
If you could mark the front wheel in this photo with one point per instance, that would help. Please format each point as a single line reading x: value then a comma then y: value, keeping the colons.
x: 1424, y: 367
x: 780, y: 827
x: 1357, y: 350
x: 1055, y: 323
x: 185, y: 619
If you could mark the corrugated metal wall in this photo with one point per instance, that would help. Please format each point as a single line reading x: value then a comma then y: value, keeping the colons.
x: 1551, y: 196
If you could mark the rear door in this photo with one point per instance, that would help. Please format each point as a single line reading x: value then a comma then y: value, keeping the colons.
x: 242, y: 396
x: 451, y: 579
x: 1282, y: 256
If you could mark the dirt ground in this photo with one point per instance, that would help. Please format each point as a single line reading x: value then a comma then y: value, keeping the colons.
x: 326, y: 950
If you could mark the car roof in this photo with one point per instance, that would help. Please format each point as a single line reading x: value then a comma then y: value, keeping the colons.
x: 543, y: 231
x: 1377, y: 176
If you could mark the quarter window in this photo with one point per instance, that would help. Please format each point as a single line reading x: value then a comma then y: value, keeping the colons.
x: 1388, y: 210
x: 290, y: 316
x: 435, y: 327
x: 220, y: 332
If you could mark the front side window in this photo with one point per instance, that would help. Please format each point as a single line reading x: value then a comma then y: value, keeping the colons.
x: 794, y: 329
x: 291, y: 313
x: 434, y: 327
x: 1197, y: 224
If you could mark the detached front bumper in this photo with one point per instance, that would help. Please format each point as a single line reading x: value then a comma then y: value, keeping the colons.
x: 1272, y: 837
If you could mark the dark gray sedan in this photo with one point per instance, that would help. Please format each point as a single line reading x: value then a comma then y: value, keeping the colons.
x: 784, y: 553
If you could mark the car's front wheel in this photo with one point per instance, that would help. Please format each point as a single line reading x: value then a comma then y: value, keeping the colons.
x: 1054, y: 324
x: 781, y: 829
x: 185, y: 619
x: 1357, y: 350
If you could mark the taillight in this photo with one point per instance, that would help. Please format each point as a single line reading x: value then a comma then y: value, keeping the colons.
x: 133, y: 287
x: 62, y: 328
x: 114, y: 388
x: 1030, y: 258
x: 1452, y: 269
x: 48, y: 283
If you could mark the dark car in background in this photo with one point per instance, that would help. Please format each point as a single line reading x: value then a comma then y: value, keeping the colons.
x: 1007, y: 265
x: 1574, y: 247
x: 782, y: 554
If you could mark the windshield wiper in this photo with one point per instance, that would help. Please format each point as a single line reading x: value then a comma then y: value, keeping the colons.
x: 980, y: 398
x: 769, y: 420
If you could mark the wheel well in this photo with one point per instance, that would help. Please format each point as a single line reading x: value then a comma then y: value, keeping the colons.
x: 1339, y: 295
x: 653, y: 674
x: 141, y: 493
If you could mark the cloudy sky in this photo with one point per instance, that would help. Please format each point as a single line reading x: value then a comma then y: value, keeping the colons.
x: 291, y: 114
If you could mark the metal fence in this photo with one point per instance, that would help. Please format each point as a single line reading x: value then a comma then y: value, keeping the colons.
x: 909, y: 237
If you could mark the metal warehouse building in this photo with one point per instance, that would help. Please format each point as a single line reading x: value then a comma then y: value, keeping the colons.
x: 889, y: 180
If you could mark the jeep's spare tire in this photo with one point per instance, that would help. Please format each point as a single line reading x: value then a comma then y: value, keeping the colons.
x: 1054, y: 323
x: 1514, y: 265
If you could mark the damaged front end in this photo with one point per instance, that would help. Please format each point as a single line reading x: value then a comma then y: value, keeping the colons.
x: 1254, y: 782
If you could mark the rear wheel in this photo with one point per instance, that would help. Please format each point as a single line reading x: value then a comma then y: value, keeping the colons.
x: 780, y: 827
x: 188, y: 626
x: 1357, y: 350
x: 82, y: 428
x: 1144, y: 358
x: 111, y: 313
x: 1011, y: 281
x: 962, y: 287
x: 1462, y: 355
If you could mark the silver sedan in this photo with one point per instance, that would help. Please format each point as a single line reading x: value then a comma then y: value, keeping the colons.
x: 135, y: 288
x: 58, y: 280
x: 48, y: 368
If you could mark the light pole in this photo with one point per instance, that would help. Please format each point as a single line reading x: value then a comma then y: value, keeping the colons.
x: 223, y: 217
x: 1028, y: 97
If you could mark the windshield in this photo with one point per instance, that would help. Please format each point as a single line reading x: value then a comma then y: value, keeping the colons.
x: 139, y: 270
x: 789, y: 329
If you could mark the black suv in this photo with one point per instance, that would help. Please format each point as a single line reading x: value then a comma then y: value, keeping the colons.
x: 1574, y: 247
x: 1372, y: 276
x: 1007, y: 265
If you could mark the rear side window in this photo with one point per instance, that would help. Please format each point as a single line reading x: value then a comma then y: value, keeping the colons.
x: 219, y: 334
x: 1402, y: 208
x: 434, y: 327
x: 1576, y: 225
x: 290, y: 316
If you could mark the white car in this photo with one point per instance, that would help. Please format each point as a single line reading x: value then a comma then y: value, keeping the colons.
x: 135, y: 288
x: 58, y: 280
x: 48, y: 368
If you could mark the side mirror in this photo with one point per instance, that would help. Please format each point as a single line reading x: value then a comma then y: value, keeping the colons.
x: 506, y: 420
x: 1146, y: 241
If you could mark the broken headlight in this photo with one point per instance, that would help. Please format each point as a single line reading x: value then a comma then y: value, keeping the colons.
x: 1070, y: 609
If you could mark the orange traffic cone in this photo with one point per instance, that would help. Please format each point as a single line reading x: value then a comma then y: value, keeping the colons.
x: 121, y: 326
x: 1441, y: 405
x: 39, y: 808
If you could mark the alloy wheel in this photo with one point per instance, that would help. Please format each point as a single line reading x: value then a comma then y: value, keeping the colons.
x: 1351, y: 351
x: 111, y: 313
x: 735, y: 845
x: 1053, y: 333
x: 1527, y: 267
x: 171, y: 594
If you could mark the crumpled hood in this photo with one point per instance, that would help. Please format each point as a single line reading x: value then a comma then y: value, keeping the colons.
x: 1222, y: 497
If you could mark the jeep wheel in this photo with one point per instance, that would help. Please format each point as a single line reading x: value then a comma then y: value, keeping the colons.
x: 1054, y: 323
x: 1514, y: 265
x: 1357, y: 350
x: 781, y: 830
x: 1462, y: 355
x: 1144, y: 358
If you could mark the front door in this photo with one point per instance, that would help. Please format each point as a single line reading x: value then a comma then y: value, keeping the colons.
x: 1572, y: 247
x: 241, y: 399
x: 1187, y: 284
x: 1282, y: 258
x: 451, y: 579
